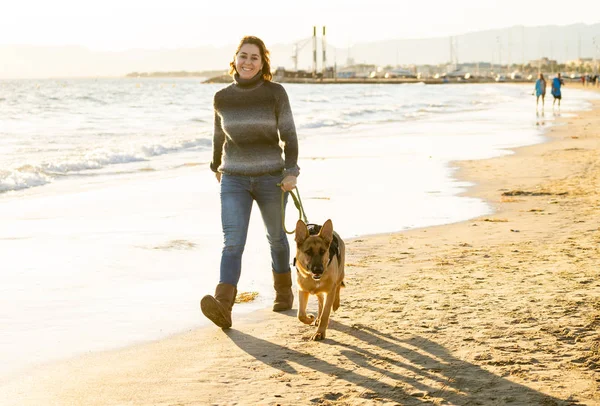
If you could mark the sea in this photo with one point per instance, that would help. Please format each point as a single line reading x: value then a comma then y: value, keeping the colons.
x: 109, y: 215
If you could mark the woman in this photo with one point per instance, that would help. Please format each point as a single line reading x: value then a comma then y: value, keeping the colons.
x: 540, y: 90
x: 253, y: 118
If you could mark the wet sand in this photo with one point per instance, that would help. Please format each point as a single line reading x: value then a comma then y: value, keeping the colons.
x: 502, y: 309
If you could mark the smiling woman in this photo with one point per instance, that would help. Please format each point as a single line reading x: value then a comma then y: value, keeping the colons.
x: 251, y: 57
x: 248, y: 61
x: 253, y: 118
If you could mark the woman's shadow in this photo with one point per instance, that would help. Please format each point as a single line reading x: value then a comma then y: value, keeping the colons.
x: 421, y: 370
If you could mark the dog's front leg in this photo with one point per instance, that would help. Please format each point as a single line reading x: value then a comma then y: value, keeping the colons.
x: 302, y: 303
x: 320, y: 297
x: 324, y: 319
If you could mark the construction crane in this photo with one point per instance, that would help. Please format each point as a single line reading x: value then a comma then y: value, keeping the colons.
x: 297, y: 48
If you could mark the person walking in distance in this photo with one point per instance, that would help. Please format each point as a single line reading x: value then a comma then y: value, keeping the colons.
x: 557, y: 82
x: 540, y: 90
x: 255, y: 159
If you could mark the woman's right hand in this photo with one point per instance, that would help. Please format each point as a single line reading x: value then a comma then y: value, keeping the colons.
x: 218, y: 176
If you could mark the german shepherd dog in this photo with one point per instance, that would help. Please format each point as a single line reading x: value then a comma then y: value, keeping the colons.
x: 320, y: 258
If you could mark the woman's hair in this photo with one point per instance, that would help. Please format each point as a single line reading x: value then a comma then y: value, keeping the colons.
x: 264, y: 53
x: 541, y: 76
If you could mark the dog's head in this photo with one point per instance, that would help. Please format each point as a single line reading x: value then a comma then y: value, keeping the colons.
x: 312, y: 251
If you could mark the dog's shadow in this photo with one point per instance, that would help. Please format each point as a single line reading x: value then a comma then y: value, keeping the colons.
x: 419, y: 368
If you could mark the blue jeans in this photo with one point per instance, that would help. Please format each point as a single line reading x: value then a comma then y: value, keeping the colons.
x: 237, y: 196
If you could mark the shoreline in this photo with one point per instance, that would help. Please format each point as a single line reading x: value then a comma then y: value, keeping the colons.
x: 405, y: 342
x: 377, y: 81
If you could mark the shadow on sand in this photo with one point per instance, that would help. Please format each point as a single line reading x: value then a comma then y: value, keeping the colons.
x: 408, y: 371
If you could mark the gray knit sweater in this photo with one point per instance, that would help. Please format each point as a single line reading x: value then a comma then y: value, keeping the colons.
x: 251, y: 118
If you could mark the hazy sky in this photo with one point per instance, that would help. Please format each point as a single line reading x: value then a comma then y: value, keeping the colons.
x: 124, y: 24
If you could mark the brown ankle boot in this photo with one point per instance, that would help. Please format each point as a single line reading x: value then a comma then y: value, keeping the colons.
x: 284, y: 297
x: 218, y: 308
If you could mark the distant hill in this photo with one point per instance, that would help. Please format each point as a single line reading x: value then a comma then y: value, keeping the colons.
x: 177, y: 74
x: 514, y: 44
x: 25, y: 61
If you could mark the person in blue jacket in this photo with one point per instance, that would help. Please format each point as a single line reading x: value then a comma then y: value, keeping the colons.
x: 540, y: 90
x: 557, y: 82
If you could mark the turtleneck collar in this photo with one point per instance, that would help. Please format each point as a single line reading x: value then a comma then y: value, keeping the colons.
x: 251, y: 83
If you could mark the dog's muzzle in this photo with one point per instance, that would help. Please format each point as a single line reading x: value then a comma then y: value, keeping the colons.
x: 317, y: 272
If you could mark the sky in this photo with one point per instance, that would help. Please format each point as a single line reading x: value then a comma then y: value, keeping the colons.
x: 112, y: 25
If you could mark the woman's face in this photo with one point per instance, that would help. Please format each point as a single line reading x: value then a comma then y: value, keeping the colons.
x: 248, y: 61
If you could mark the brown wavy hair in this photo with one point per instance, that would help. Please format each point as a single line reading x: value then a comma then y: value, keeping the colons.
x: 264, y: 53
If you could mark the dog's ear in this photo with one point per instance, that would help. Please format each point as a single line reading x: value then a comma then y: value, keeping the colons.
x: 326, y: 232
x: 301, y: 232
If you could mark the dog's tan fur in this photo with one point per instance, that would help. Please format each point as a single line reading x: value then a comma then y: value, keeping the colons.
x: 311, y: 250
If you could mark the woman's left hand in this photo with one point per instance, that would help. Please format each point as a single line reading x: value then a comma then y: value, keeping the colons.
x: 288, y: 183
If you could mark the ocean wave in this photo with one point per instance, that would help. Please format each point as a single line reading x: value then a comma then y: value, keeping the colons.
x: 91, y: 99
x: 369, y: 110
x: 370, y: 114
x: 100, y: 158
x: 415, y: 114
x: 315, y: 99
x: 88, y: 162
x: 157, y: 149
x: 17, y: 180
x: 361, y: 96
x: 321, y: 123
x: 31, y: 175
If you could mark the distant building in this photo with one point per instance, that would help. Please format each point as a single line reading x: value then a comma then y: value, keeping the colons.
x: 543, y: 61
x: 581, y: 62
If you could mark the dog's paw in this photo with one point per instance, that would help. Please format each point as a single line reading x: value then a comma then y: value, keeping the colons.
x: 318, y: 336
x: 308, y: 319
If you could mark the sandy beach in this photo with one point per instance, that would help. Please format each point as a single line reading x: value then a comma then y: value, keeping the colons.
x: 501, y: 309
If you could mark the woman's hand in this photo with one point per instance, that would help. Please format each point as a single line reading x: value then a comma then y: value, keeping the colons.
x: 218, y: 176
x: 288, y: 183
